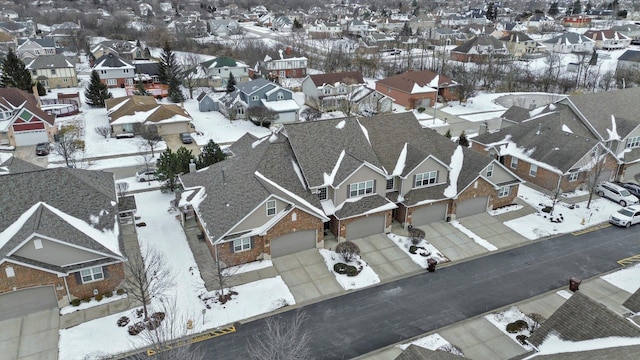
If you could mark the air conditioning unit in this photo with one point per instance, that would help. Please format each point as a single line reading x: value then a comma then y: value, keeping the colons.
x: 95, y: 292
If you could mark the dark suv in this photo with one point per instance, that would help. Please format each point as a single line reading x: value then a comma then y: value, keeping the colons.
x: 42, y: 149
x: 186, y: 138
x: 634, y: 189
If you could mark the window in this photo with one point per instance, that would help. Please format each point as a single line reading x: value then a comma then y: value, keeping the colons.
x: 240, y: 111
x: 10, y: 272
x: 112, y: 82
x: 425, y: 179
x: 280, y: 96
x: 490, y: 170
x: 34, y: 72
x: 241, y: 244
x: 504, y: 191
x: 322, y: 193
x: 391, y: 184
x: 573, y: 176
x: 361, y: 188
x: 326, y: 91
x: 514, y: 162
x: 255, y: 98
x: 103, y: 72
x: 91, y: 275
x: 533, y: 170
x: 633, y: 142
x: 271, y: 207
x: 37, y: 244
x: 53, y: 71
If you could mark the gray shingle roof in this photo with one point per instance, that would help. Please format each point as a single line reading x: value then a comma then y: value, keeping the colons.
x: 633, y: 302
x: 617, y: 353
x: 516, y: 114
x: 49, y: 62
x: 414, y: 352
x: 480, y: 40
x: 362, y: 205
x: 13, y: 165
x: 248, y: 87
x: 545, y: 140
x: 630, y: 55
x: 581, y: 318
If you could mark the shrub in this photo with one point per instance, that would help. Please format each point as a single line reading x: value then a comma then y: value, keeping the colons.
x: 413, y: 249
x: 348, y: 250
x: 517, y: 326
x: 139, y: 313
x: 522, y: 339
x: 86, y: 299
x: 421, y: 109
x: 75, y: 302
x: 158, y: 316
x: 108, y: 294
x: 344, y: 269
x: 537, y: 320
x: 123, y: 321
x: 416, y: 235
x: 136, y: 328
x: 99, y: 297
x: 120, y: 291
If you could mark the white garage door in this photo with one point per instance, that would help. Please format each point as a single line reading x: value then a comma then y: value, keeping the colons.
x: 293, y: 242
x: 631, y: 172
x: 30, y: 137
x: 286, y: 117
x: 472, y: 206
x: 23, y: 302
x: 428, y: 214
x: 366, y: 226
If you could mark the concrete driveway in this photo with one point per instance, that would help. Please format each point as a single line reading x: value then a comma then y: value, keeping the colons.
x: 385, y: 257
x: 174, y: 143
x: 28, y: 153
x: 30, y: 337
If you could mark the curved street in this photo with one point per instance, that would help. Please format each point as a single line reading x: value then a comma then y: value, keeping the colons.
x: 360, y: 322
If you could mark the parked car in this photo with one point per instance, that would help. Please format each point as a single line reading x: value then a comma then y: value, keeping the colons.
x: 186, y: 138
x: 146, y: 175
x: 634, y: 189
x: 42, y: 149
x: 616, y: 193
x: 626, y: 216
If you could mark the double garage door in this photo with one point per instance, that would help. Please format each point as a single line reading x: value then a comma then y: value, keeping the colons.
x: 293, y: 242
x: 23, y: 302
x: 30, y: 137
x: 366, y: 226
x: 473, y: 206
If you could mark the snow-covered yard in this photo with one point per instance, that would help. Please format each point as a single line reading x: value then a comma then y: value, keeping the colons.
x: 513, y: 316
x: 424, y: 250
x: 366, y: 277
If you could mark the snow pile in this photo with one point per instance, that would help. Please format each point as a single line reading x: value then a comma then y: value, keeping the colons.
x: 402, y: 159
x: 366, y: 277
x: 433, y: 342
x: 424, y: 250
x: 341, y: 124
x: 456, y: 165
x: 566, y: 129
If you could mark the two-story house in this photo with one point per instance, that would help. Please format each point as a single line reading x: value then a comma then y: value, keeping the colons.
x: 283, y: 64
x: 136, y: 114
x: 356, y: 27
x: 57, y: 245
x: 478, y: 49
x: 224, y: 27
x: 53, y: 71
x: 415, y: 89
x: 29, y: 49
x: 285, y: 192
x: 608, y: 39
x: 217, y: 71
x: 22, y: 120
x: 114, y: 71
x: 521, y: 45
x: 324, y: 30
x: 258, y: 93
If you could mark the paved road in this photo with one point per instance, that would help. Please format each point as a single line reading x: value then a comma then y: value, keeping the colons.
x: 363, y: 321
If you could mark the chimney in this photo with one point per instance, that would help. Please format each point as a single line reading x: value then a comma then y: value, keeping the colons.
x: 483, y: 128
x: 532, y: 105
x: 192, y: 166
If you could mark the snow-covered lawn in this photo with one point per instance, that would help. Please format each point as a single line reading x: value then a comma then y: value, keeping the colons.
x: 537, y: 225
x: 502, y: 319
x: 625, y: 279
x: 366, y: 277
x: 164, y: 233
x: 424, y: 247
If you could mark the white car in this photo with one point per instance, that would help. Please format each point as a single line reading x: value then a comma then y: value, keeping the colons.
x: 626, y: 217
x: 616, y: 193
x: 146, y: 175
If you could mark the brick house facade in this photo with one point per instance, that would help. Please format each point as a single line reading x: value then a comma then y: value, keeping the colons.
x: 402, y: 88
x: 339, y: 227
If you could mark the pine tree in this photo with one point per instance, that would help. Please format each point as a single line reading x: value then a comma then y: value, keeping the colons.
x: 462, y: 140
x: 553, y: 10
x: 448, y: 134
x: 231, y: 83
x: 15, y: 73
x: 41, y: 89
x: 211, y: 154
x: 140, y: 89
x: 97, y: 92
x: 175, y: 93
x: 168, y: 66
x: 492, y: 12
x: 168, y: 170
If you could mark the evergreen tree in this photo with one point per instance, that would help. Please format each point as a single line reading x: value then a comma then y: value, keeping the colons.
x: 462, y: 140
x: 406, y: 29
x: 576, y: 8
x: 184, y: 157
x: 553, y: 9
x: 211, y: 154
x: 175, y: 93
x: 41, y: 89
x: 492, y: 12
x: 296, y: 24
x: 231, y: 83
x: 168, y: 170
x: 140, y: 89
x: 15, y: 73
x: 168, y: 66
x: 448, y: 134
x: 588, y: 7
x: 97, y: 92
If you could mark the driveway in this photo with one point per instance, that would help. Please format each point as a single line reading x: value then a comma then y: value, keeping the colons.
x: 174, y: 143
x: 28, y: 153
x: 385, y: 257
x: 32, y: 336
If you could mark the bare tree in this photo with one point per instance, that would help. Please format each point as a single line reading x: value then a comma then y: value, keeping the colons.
x: 311, y: 114
x: 282, y: 339
x: 103, y: 131
x: 69, y: 145
x: 595, y: 167
x: 148, y: 277
x: 190, y: 79
x: 122, y: 188
x: 261, y: 115
x: 222, y: 276
x: 150, y: 139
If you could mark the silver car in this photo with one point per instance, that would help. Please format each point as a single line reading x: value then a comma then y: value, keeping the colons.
x: 146, y: 175
x: 616, y: 193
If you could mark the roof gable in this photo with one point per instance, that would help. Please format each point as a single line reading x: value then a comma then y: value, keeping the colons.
x: 350, y: 78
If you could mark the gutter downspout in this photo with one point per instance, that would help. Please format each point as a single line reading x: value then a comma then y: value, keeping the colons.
x: 66, y: 288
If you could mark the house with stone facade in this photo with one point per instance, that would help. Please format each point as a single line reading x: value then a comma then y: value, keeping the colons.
x: 22, y: 120
x: 285, y: 192
x: 415, y: 89
x: 58, y: 245
x: 552, y: 149
x: 53, y: 71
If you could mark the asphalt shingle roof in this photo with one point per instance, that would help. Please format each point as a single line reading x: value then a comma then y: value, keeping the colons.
x: 13, y: 165
x: 414, y: 352
x: 481, y: 40
x: 581, y: 318
x: 49, y: 62
x: 352, y: 77
x: 633, y: 302
x: 13, y: 98
x: 630, y: 55
x: 130, y: 105
x: 407, y: 80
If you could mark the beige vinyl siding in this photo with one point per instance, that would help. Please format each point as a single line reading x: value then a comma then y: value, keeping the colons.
x: 55, y: 253
x: 259, y: 216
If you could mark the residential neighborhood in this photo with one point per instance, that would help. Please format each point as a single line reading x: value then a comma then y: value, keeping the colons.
x: 422, y: 180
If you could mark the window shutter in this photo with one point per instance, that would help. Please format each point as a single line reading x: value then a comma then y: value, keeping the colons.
x: 78, y: 278
x: 233, y: 248
x: 253, y: 243
x: 105, y: 272
x: 414, y: 180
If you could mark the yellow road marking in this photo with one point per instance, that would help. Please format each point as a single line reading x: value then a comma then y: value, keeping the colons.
x: 590, y: 229
x: 630, y: 260
x: 201, y: 337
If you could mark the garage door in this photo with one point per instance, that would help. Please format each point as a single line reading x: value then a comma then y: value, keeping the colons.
x: 471, y: 207
x: 631, y: 171
x: 428, y: 214
x: 286, y: 117
x: 294, y: 242
x: 366, y: 226
x: 23, y: 302
x: 31, y: 137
